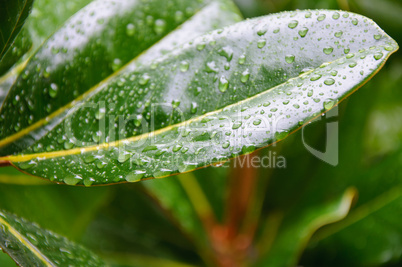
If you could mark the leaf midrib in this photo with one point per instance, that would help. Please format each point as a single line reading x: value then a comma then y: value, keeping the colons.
x: 14, y: 28
x: 26, y: 243
x: 14, y: 137
x: 82, y: 150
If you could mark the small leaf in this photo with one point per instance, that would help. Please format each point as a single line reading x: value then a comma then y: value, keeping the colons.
x: 158, y: 120
x: 295, y: 232
x: 13, y: 15
x: 29, y: 245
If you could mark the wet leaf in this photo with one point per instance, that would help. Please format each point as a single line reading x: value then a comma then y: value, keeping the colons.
x: 30, y: 245
x: 226, y: 93
x: 13, y: 15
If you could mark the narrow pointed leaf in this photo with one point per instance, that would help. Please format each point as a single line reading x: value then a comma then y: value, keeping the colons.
x: 29, y: 245
x: 12, y: 18
x: 224, y: 94
x: 296, y: 231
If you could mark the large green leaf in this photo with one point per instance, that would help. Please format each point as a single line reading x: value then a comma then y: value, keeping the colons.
x: 29, y: 245
x: 13, y: 15
x: 82, y: 53
x: 224, y: 94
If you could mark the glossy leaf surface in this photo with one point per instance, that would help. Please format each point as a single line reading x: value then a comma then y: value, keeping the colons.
x: 29, y: 245
x: 12, y: 18
x: 91, y: 45
x: 222, y: 95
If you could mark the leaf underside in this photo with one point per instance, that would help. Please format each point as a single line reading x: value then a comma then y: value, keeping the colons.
x: 224, y: 94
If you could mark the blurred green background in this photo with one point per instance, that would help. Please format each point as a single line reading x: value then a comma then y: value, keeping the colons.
x: 157, y: 223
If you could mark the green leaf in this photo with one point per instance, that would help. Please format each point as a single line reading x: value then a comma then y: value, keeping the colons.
x: 282, y: 247
x: 113, y: 34
x: 21, y: 45
x: 310, y: 181
x: 29, y: 245
x: 224, y: 94
x: 46, y: 203
x: 13, y: 15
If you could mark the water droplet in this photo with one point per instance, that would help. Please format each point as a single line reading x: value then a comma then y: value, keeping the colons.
x: 329, y: 81
x: 308, y: 15
x: 261, y: 43
x: 162, y: 172
x: 55, y: 50
x: 328, y: 50
x: 134, y: 176
x: 200, y: 46
x: 245, y: 76
x: 72, y: 179
x: 276, y: 30
x: 281, y: 135
x: 378, y: 55
x: 303, y: 32
x: 310, y: 93
x: 354, y: 21
x: 223, y: 84
x: 236, y: 125
x: 377, y: 36
x: 226, y: 52
x: 293, y: 24
x: 289, y: 58
x: 100, y: 21
x: 315, y: 77
x: 184, y: 65
x: 176, y: 147
x: 89, y: 158
x: 226, y: 144
x: 194, y: 107
x: 211, y: 67
x: 353, y: 64
x: 175, y: 103
x: 242, y: 59
x: 159, y: 26
x: 123, y: 157
x: 247, y: 149
x: 296, y: 106
x: 257, y: 122
x: 116, y: 64
x: 321, y: 17
x: 187, y: 166
x: 53, y: 90
x: 336, y: 15
x: 27, y: 165
x: 88, y: 181
x: 389, y: 48
x: 328, y: 104
x: 179, y: 16
x: 100, y: 113
x: 130, y: 29
x: 334, y: 72
x: 261, y: 32
x: 144, y: 79
x: 338, y: 34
